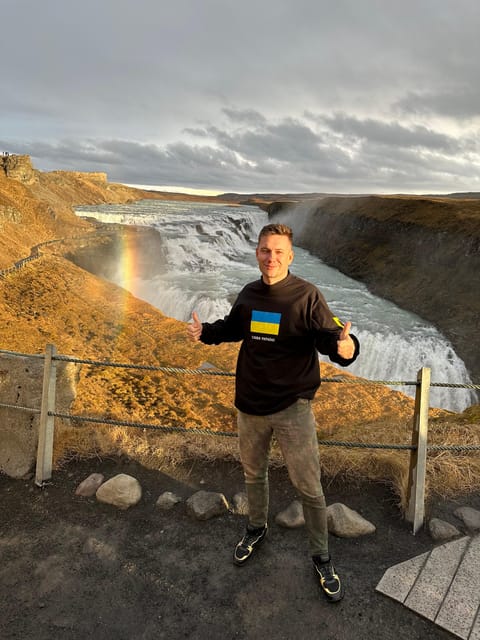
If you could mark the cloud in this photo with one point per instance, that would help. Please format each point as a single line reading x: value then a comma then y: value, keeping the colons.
x: 245, y: 116
x: 391, y: 134
x: 461, y: 103
x: 291, y: 155
x: 289, y: 96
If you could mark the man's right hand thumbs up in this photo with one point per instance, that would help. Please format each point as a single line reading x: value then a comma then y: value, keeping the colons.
x: 194, y: 329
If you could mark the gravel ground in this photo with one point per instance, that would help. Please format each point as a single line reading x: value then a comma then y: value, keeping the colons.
x: 74, y: 568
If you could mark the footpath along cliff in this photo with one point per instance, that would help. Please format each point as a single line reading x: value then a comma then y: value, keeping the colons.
x: 421, y: 253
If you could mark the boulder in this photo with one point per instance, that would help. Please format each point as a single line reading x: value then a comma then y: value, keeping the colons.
x: 442, y: 531
x: 89, y: 486
x: 122, y: 491
x: 469, y: 516
x: 204, y: 505
x: 292, y: 517
x: 168, y: 500
x: 346, y: 523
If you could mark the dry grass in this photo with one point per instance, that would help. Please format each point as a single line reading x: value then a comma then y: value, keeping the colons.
x: 53, y: 301
x: 449, y: 473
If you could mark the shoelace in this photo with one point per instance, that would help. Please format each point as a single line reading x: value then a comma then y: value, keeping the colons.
x: 250, y: 537
x: 327, y: 571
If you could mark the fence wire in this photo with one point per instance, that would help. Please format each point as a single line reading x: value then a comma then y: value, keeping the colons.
x: 229, y: 434
x: 217, y: 372
x: 19, y: 407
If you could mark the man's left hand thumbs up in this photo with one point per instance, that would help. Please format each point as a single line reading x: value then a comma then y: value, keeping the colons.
x: 345, y: 344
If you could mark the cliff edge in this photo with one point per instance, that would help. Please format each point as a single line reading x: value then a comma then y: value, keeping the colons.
x: 421, y: 253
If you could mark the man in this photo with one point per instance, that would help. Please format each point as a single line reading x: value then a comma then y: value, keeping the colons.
x: 283, y: 321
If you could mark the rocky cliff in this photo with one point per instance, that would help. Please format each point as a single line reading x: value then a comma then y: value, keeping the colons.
x: 18, y: 168
x: 421, y: 253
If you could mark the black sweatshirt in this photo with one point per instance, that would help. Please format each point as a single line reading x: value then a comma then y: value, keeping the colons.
x: 282, y: 327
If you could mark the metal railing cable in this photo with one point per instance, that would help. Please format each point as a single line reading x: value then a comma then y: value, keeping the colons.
x: 142, y: 425
x: 230, y: 434
x: 455, y: 385
x: 143, y: 367
x: 216, y: 372
x: 23, y: 355
x: 19, y: 407
x: 212, y: 432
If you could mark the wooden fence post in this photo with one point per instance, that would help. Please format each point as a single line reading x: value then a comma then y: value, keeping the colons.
x: 415, y: 511
x: 46, y: 429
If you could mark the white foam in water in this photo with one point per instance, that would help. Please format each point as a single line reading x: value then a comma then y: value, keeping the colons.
x: 210, y: 256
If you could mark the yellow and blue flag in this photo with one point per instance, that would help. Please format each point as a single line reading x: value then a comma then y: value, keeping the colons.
x: 265, y: 322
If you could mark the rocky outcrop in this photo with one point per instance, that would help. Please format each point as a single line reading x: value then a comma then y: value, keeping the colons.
x: 18, y: 168
x: 95, y: 176
x: 9, y: 214
x: 421, y: 253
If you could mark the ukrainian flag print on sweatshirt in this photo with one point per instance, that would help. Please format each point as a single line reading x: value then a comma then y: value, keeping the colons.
x: 265, y: 322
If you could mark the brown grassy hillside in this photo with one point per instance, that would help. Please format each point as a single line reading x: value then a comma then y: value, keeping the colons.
x: 51, y: 300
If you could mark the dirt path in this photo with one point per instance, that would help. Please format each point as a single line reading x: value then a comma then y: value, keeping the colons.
x: 73, y: 568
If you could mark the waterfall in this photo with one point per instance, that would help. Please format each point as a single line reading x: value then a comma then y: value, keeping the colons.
x: 208, y: 253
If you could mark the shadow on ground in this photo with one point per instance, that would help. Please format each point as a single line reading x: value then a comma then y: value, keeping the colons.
x: 73, y: 568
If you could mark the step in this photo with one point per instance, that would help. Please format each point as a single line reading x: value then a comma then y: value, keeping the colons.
x: 442, y: 585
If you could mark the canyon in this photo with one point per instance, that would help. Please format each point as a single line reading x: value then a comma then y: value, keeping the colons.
x: 423, y: 253
x: 63, y: 297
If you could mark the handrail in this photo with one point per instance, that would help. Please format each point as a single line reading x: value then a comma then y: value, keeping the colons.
x: 418, y: 448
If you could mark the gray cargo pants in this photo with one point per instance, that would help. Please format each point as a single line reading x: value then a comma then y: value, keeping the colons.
x: 294, y: 429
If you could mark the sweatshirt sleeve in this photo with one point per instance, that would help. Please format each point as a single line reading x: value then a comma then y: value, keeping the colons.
x: 219, y: 331
x: 228, y: 329
x: 327, y: 332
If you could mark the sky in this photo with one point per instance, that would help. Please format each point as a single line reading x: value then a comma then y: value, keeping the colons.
x: 251, y: 96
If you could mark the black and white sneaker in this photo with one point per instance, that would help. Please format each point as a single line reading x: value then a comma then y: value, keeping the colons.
x: 246, y: 546
x: 330, y: 582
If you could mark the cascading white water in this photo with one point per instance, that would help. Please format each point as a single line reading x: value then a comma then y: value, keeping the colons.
x: 209, y: 252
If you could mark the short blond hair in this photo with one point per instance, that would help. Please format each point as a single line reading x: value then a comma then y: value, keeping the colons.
x: 276, y: 230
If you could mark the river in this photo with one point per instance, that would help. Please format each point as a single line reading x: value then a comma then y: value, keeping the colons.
x: 209, y: 255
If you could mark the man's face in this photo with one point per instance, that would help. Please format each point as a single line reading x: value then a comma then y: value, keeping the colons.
x: 274, y: 256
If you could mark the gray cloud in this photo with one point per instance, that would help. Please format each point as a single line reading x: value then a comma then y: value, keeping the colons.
x: 245, y: 116
x: 391, y: 134
x: 460, y: 103
x: 269, y: 96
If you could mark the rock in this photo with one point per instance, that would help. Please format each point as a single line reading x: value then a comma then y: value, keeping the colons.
x: 89, y: 486
x: 204, y: 505
x: 240, y: 503
x: 21, y: 383
x: 123, y: 491
x: 291, y: 517
x: 207, y: 365
x: 346, y: 523
x: 441, y: 531
x: 470, y: 517
x: 19, y: 168
x: 168, y: 500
